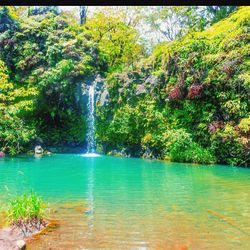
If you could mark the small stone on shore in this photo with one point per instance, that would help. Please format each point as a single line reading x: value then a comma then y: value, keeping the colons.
x: 21, y: 245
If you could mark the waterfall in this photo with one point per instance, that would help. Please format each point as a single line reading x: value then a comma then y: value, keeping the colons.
x: 90, y: 134
x: 91, y: 120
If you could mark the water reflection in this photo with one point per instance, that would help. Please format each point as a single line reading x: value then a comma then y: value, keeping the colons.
x: 90, y: 198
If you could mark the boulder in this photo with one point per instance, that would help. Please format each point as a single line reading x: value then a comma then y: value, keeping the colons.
x: 21, y: 245
x: 38, y: 150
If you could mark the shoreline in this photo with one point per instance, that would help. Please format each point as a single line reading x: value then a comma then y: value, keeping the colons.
x: 14, y: 238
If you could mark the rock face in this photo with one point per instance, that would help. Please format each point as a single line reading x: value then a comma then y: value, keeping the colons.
x: 151, y: 80
x: 104, y: 97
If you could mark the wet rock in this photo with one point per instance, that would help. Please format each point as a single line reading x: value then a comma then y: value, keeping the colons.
x: 46, y: 152
x: 147, y: 154
x: 39, y: 141
x: 152, y: 80
x: 121, y: 153
x: 104, y: 97
x: 120, y: 90
x: 140, y: 89
x: 84, y: 89
x: 21, y: 245
x: 38, y: 150
x: 12, y: 238
x: 88, y: 211
x: 98, y: 82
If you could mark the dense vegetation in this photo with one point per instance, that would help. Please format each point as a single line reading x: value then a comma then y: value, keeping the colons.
x: 186, y: 101
x: 189, y: 101
x: 43, y: 62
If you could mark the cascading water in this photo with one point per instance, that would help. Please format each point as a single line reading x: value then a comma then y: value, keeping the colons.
x: 91, y: 120
x: 90, y: 135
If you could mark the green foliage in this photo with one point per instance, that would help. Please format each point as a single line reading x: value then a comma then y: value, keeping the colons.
x: 197, y: 109
x: 25, y: 208
x: 7, y: 19
x: 176, y: 21
x: 219, y: 12
x: 183, y: 149
x: 244, y: 125
x: 43, y: 10
x: 231, y: 145
x: 14, y: 133
x: 43, y: 61
x: 117, y: 42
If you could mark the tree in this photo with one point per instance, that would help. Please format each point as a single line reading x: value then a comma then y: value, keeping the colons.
x: 40, y: 10
x: 216, y: 13
x: 176, y: 21
x: 7, y: 19
x: 117, y: 42
x: 71, y: 16
x: 83, y: 15
x: 22, y: 11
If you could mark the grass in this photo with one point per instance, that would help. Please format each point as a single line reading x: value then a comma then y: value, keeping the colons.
x: 26, y: 208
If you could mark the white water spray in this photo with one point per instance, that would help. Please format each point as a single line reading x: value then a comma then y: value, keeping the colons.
x: 91, y: 120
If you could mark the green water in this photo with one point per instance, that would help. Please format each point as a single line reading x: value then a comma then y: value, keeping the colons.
x: 132, y: 203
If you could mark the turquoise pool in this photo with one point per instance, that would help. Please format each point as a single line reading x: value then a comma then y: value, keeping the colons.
x: 126, y: 203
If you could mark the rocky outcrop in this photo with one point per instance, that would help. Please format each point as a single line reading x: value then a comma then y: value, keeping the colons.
x: 133, y: 83
x: 39, y: 151
x: 151, y: 80
x: 104, y: 98
x: 101, y: 90
x: 140, y: 89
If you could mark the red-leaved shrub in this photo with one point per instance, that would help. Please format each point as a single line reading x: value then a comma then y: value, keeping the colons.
x: 194, y: 91
x: 175, y: 93
x: 213, y: 126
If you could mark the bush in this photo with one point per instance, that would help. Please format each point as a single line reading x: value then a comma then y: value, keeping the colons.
x: 231, y: 144
x: 183, y: 149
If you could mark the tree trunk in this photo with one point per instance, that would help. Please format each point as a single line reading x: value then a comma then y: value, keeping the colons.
x: 83, y: 15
